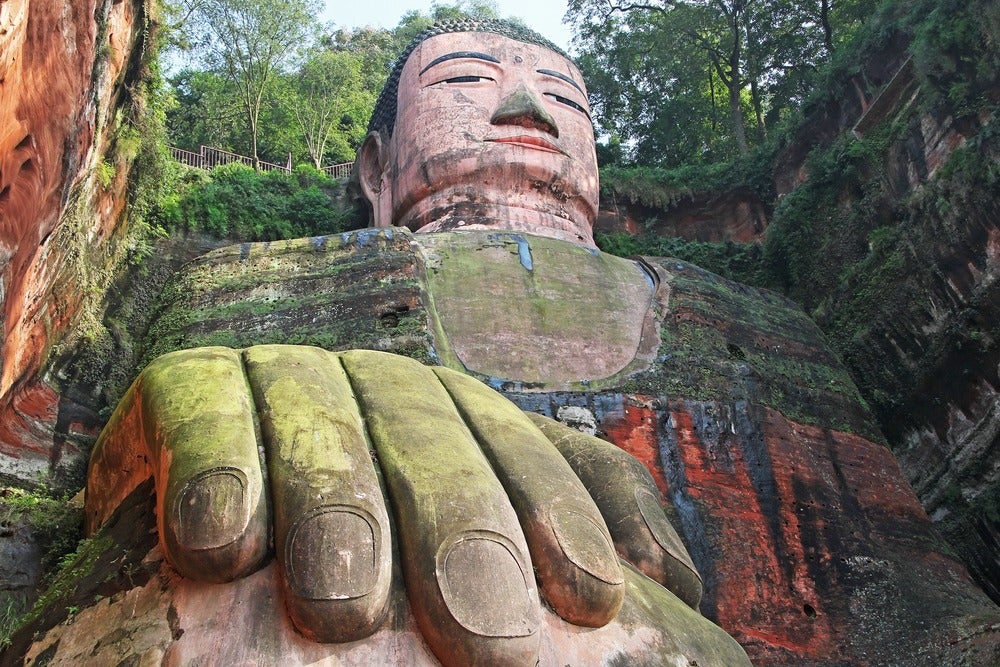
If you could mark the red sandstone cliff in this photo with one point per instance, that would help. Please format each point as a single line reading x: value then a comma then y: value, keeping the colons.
x: 65, y: 68
x: 896, y: 256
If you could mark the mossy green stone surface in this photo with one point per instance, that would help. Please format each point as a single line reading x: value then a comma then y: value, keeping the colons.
x: 690, y: 634
x: 352, y: 290
x: 426, y: 296
x: 725, y: 341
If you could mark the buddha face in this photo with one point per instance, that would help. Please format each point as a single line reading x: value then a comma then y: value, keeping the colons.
x: 491, y: 133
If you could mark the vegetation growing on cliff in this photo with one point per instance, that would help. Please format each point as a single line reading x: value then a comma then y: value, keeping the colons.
x: 238, y: 203
x: 54, y: 523
x: 867, y: 237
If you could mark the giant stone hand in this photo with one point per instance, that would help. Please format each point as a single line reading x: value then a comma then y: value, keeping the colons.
x: 481, y: 499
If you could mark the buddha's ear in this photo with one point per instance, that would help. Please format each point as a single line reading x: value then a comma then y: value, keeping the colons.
x: 373, y: 158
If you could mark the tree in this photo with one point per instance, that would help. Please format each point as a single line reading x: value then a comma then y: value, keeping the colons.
x: 329, y: 103
x: 249, y: 41
x: 205, y: 111
x: 716, y: 28
x: 682, y: 58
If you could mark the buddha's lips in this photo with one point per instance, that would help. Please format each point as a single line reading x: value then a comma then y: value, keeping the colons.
x: 537, y: 143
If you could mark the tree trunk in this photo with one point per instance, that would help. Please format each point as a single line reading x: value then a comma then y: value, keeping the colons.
x: 758, y: 107
x: 753, y: 74
x: 824, y: 19
x: 736, y: 87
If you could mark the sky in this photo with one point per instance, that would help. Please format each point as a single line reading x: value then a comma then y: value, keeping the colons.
x: 544, y: 16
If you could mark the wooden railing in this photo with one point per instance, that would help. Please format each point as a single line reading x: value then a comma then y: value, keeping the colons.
x: 209, y: 158
x: 342, y: 170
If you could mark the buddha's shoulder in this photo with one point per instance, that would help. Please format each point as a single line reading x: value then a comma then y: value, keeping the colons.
x: 359, y: 289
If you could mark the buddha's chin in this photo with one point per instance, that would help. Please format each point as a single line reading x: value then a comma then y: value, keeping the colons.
x: 563, y: 220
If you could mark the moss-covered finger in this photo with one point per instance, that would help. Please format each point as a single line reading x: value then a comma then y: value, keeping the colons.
x: 575, y: 561
x: 468, y: 575
x: 682, y: 631
x: 198, y: 424
x: 332, y: 535
x: 627, y: 497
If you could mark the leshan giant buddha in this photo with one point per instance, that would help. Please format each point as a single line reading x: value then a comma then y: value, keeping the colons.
x: 483, y: 126
x: 814, y: 550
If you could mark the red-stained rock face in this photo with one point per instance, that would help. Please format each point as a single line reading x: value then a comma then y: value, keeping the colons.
x: 61, y: 67
x: 809, y: 540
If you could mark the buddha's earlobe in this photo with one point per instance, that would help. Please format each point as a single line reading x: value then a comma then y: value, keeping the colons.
x: 373, y: 159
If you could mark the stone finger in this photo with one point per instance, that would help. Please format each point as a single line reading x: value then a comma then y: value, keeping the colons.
x: 629, y: 500
x: 466, y: 565
x: 199, y: 425
x: 332, y: 535
x: 576, y: 564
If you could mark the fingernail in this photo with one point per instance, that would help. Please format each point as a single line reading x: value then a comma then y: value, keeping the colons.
x: 585, y: 544
x: 485, y: 587
x: 212, y: 510
x: 333, y: 554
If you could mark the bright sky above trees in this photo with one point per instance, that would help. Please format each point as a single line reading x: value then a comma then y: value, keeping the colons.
x: 544, y: 16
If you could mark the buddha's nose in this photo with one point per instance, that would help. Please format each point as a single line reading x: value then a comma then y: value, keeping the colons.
x: 524, y: 109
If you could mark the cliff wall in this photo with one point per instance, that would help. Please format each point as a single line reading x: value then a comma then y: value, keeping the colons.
x: 883, y: 224
x: 69, y: 73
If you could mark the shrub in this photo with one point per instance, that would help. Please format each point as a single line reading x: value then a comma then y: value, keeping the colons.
x: 233, y: 201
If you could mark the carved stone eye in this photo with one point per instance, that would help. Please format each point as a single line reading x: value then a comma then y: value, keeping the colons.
x: 568, y: 102
x: 466, y: 79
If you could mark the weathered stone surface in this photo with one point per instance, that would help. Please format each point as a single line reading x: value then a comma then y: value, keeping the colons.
x: 355, y: 290
x: 813, y: 547
x: 63, y: 67
x: 121, y: 601
x: 588, y: 316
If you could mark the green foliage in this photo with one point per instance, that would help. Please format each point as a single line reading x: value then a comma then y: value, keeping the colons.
x: 661, y: 188
x: 677, y: 82
x: 72, y: 568
x: 56, y: 523
x: 813, y: 223
x: 248, y: 42
x: 12, y: 608
x: 205, y: 111
x: 329, y: 104
x: 736, y: 261
x: 311, y: 99
x: 235, y: 202
x: 105, y: 174
x: 956, y: 50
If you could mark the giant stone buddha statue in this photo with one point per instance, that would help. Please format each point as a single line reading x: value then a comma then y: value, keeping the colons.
x: 409, y: 513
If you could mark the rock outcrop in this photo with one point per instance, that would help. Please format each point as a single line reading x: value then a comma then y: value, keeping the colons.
x: 903, y: 279
x: 885, y: 230
x: 739, y: 216
x: 66, y: 69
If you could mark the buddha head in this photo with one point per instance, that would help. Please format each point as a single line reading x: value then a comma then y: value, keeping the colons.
x: 482, y: 125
